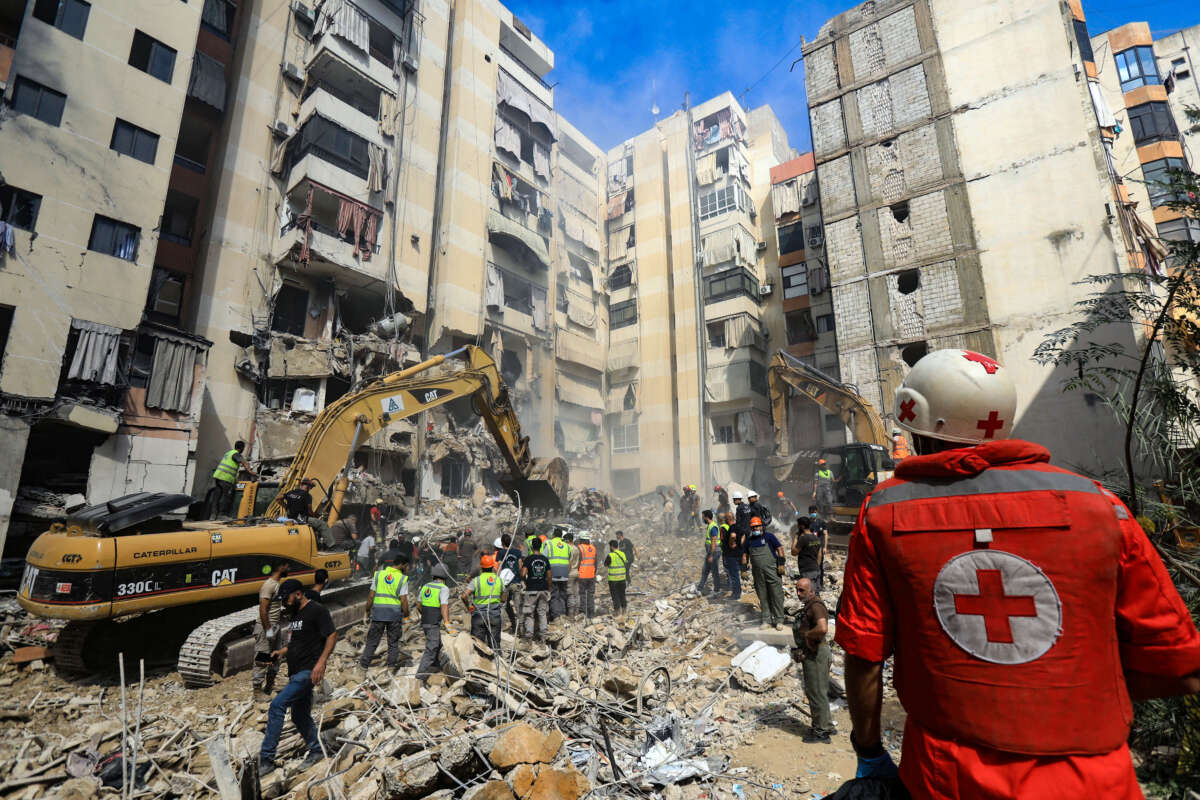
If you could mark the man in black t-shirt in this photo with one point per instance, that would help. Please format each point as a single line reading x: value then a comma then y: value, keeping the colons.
x: 806, y: 547
x: 313, y: 638
x: 731, y: 554
x: 535, y: 600
x: 508, y: 556
x: 298, y: 502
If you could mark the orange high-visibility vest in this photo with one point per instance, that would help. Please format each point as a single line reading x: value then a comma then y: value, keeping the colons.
x: 587, y: 561
x: 899, y: 447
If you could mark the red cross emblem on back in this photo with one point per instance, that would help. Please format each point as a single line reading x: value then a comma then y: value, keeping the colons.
x: 989, y: 364
x: 994, y: 605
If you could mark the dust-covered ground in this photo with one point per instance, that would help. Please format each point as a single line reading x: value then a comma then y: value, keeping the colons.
x: 646, y: 705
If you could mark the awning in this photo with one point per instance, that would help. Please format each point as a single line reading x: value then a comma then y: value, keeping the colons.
x: 580, y: 229
x: 622, y: 355
x: 785, y: 197
x: 346, y: 21
x: 508, y: 138
x: 617, y: 395
x: 616, y: 204
x: 581, y: 310
x: 579, y: 349
x: 577, y: 392
x: 207, y: 83
x: 501, y: 227
x: 706, y: 169
x: 734, y: 244
x: 581, y: 198
x: 518, y: 98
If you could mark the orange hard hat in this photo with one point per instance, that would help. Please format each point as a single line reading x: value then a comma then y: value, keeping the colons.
x: 780, y: 495
x: 820, y: 461
x: 487, y: 561
x: 755, y: 521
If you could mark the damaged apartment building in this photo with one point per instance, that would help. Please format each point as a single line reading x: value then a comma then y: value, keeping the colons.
x: 965, y: 190
x: 101, y: 382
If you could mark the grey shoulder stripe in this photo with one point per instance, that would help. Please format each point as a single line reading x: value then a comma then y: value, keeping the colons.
x: 992, y: 481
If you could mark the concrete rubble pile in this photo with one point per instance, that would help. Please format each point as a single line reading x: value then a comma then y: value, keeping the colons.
x: 648, y: 705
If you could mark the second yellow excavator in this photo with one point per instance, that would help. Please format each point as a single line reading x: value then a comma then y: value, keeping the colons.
x: 857, y: 467
x: 121, y: 558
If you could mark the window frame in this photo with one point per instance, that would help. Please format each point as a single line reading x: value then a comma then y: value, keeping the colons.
x: 731, y: 283
x: 153, y: 46
x: 794, y: 278
x: 625, y: 271
x: 804, y: 318
x: 21, y: 85
x: 1159, y: 113
x: 621, y: 315
x: 1132, y: 66
x: 720, y: 201
x: 622, y: 441
x: 137, y: 137
x: 176, y: 211
x: 788, y: 235
x: 59, y: 19
x: 231, y: 9
x: 717, y: 341
x: 825, y: 323
x: 161, y: 277
x: 116, y: 246
x: 1154, y: 174
x: 10, y: 198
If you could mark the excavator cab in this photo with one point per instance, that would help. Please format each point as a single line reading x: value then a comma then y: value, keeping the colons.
x: 857, y: 469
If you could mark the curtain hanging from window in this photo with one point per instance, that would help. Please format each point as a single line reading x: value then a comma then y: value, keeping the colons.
x: 378, y: 167
x: 387, y: 114
x: 172, y: 375
x: 96, y: 352
x: 507, y: 137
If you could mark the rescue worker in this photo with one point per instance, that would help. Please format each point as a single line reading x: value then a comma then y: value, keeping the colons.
x: 899, y: 446
x: 535, y: 601
x: 572, y: 602
x: 808, y: 550
x: 712, y: 553
x: 731, y: 556
x: 765, y: 556
x: 298, y: 502
x: 483, y: 598
x: 508, y: 558
x: 816, y: 524
x: 626, y: 548
x: 587, y: 575
x: 225, y: 480
x: 722, y: 500
x: 823, y: 488
x: 812, y: 651
x: 530, y: 537
x: 267, y: 633
x: 754, y: 508
x: 738, y: 501
x: 434, y: 602
x: 1023, y: 605
x: 617, y: 567
x: 560, y: 569
x: 320, y: 579
x: 387, y: 606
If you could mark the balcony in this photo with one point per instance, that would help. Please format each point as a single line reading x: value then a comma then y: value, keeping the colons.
x: 526, y: 77
x: 311, y: 242
x: 374, y: 60
x: 354, y: 113
x: 328, y: 154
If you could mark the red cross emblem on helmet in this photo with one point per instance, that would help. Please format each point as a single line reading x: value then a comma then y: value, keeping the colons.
x: 997, y: 606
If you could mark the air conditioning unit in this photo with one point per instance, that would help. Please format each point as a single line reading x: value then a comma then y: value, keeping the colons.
x: 409, y: 62
x: 761, y: 246
x: 304, y: 13
x: 816, y: 239
x: 766, y: 289
x: 281, y: 129
x: 292, y: 72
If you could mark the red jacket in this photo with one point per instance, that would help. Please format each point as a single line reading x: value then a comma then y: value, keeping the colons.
x: 1013, y: 594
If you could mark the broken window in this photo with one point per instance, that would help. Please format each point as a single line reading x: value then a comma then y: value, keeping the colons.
x: 291, y: 310
x: 142, y: 362
x: 622, y: 314
x: 800, y: 327
x: 456, y: 474
x: 795, y: 281
x: 914, y: 352
x: 191, y: 148
x: 19, y: 208
x: 130, y: 140
x: 330, y: 142
x: 725, y: 431
x: 899, y: 211
x: 716, y: 334
x: 114, y: 238
x: 289, y: 393
x: 69, y: 16
x: 621, y: 277
x: 6, y: 318
x: 152, y: 56
x: 518, y: 293
x: 629, y: 402
x: 758, y: 378
x: 511, y: 368
x: 165, y: 300
x: 791, y: 238
x: 580, y: 269
x: 179, y: 215
x: 908, y: 281
x: 625, y: 438
x: 38, y: 101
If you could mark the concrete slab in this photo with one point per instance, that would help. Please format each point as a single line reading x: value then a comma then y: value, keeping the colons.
x: 776, y: 638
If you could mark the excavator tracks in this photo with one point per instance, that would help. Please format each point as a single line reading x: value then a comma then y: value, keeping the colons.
x: 225, y: 645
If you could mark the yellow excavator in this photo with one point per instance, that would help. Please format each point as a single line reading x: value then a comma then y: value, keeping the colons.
x: 121, y: 558
x: 857, y: 467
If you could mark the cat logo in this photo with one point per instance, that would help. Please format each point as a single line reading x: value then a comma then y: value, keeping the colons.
x: 224, y: 577
x: 392, y: 404
x: 332, y: 564
x: 72, y: 558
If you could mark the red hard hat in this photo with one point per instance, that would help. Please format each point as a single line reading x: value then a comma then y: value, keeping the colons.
x: 755, y: 521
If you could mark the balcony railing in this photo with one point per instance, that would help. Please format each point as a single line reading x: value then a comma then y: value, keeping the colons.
x: 355, y: 102
x: 524, y: 67
x: 321, y: 227
x: 187, y: 163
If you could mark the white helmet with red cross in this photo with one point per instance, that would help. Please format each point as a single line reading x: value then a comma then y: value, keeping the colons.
x: 957, y: 396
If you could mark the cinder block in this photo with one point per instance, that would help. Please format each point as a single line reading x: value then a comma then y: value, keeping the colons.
x: 843, y: 247
x: 828, y: 128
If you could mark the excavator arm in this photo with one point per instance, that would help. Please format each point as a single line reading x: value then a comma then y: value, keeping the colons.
x: 834, y: 396
x: 327, y: 451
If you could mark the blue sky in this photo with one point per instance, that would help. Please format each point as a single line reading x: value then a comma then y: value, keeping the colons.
x: 617, y: 58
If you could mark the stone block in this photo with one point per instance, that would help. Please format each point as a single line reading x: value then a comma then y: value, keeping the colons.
x: 492, y: 790
x: 525, y: 744
x: 559, y: 784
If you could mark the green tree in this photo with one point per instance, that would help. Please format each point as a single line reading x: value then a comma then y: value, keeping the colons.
x: 1154, y: 390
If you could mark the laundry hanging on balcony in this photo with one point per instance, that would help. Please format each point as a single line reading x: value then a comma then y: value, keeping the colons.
x: 359, y: 221
x: 377, y: 170
x: 96, y: 351
x: 345, y: 21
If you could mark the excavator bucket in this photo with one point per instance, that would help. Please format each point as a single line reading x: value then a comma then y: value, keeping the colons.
x: 546, y: 486
x: 782, y: 465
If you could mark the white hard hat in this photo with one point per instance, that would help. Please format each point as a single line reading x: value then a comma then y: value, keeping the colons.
x: 584, y: 536
x: 736, y: 496
x: 416, y: 540
x: 957, y: 396
x: 498, y: 543
x: 751, y: 493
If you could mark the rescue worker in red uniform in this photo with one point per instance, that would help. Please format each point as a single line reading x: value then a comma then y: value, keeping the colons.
x: 1022, y: 602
